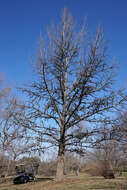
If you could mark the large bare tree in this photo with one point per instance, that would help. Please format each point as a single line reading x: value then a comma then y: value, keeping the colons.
x: 73, y: 82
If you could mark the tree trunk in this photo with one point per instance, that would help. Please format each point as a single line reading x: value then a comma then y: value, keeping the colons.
x: 77, y: 172
x: 60, y: 168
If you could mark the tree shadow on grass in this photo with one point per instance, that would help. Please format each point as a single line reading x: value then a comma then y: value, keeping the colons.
x: 43, y: 179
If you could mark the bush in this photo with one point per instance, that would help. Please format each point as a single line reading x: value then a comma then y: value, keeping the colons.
x: 101, y: 168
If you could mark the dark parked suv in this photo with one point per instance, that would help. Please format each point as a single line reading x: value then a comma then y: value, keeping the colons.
x: 24, y: 174
x: 22, y: 178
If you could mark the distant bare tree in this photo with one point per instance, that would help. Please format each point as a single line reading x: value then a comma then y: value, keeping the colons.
x: 13, y: 138
x: 8, y: 129
x: 4, y: 93
x: 73, y: 83
x: 72, y: 163
x: 13, y: 141
x: 106, y: 160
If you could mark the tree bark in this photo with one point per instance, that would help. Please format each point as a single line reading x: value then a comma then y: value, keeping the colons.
x: 60, y: 168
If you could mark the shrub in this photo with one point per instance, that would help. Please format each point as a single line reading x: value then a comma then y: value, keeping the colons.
x: 101, y: 168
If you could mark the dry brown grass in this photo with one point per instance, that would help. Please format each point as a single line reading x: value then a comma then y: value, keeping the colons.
x: 83, y: 182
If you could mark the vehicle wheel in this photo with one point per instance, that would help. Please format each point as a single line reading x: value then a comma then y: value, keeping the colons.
x: 25, y: 181
x: 21, y: 180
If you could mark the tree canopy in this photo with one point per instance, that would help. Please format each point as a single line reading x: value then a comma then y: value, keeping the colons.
x: 73, y: 83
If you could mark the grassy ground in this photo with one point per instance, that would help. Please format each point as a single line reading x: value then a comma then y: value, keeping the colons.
x: 83, y: 182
